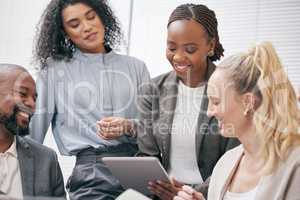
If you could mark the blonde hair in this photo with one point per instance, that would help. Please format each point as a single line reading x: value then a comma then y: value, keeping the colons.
x: 276, y: 115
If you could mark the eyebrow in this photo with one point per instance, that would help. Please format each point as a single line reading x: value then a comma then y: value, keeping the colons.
x: 191, y: 43
x: 89, y: 11
x: 187, y: 44
x: 76, y: 19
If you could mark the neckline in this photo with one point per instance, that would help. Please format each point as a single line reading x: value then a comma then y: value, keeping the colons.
x: 253, y: 191
x: 93, y: 57
x: 190, y: 89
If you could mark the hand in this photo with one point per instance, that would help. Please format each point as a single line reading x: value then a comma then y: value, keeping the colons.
x: 110, y: 128
x: 188, y: 193
x: 165, y: 190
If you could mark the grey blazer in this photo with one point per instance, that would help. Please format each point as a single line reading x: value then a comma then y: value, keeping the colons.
x: 156, y: 112
x: 40, y: 171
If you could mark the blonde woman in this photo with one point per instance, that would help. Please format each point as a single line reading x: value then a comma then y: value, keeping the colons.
x: 253, y: 100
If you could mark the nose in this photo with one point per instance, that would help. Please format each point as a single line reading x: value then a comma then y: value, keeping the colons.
x: 178, y: 56
x: 86, y: 26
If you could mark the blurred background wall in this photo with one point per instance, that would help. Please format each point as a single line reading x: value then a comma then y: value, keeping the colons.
x: 241, y: 24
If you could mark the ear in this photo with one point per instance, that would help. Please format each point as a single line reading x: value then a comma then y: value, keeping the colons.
x: 248, y: 101
x: 212, y: 44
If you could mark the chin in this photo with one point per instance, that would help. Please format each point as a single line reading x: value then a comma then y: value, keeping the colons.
x: 228, y: 133
x: 180, y: 74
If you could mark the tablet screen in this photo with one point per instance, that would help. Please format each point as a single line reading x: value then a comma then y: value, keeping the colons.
x: 136, y: 172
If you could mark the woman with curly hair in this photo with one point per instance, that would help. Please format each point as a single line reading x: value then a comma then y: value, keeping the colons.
x: 87, y: 92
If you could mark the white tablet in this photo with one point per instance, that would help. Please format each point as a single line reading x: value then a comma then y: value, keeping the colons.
x: 136, y: 172
x: 131, y: 194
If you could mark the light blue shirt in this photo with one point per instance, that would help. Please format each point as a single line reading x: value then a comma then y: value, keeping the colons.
x: 73, y: 95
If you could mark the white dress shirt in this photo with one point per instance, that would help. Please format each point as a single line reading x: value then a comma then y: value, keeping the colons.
x: 10, y: 175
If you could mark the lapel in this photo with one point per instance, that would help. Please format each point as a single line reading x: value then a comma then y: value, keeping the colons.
x: 26, y: 162
x: 167, y: 105
x: 203, y: 119
x: 202, y: 124
x: 232, y: 169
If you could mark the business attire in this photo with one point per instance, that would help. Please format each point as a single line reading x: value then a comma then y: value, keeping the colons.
x: 283, y: 183
x: 36, y: 174
x: 73, y: 95
x: 10, y: 173
x: 155, y: 131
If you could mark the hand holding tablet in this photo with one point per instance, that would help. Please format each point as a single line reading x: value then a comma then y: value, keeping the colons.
x: 136, y: 172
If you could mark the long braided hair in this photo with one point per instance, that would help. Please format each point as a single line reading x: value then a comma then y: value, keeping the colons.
x: 206, y: 18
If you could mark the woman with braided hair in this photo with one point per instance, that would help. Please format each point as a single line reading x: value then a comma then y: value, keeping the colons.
x: 251, y: 92
x: 173, y: 123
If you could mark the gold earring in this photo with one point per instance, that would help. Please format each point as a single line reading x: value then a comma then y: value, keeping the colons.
x: 246, y: 112
x: 211, y: 53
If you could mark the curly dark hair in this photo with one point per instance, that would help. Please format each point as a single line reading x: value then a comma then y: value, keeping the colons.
x: 50, y: 35
x: 206, y: 17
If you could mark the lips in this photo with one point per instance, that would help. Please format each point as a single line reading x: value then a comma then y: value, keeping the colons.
x: 24, y: 113
x: 90, y: 36
x: 25, y: 117
x: 181, y: 68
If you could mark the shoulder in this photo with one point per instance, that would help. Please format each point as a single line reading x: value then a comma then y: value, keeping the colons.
x: 169, y: 77
x: 136, y: 67
x: 129, y: 60
x: 52, y: 64
x: 229, y: 159
x: 292, y: 161
x: 222, y: 170
x: 52, y: 67
x: 39, y: 150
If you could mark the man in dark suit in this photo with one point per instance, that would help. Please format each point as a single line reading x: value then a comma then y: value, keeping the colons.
x: 28, y: 169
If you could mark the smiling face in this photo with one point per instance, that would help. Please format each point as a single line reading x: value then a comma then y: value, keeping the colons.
x: 226, y: 105
x: 84, y: 27
x: 187, y: 49
x: 18, y: 96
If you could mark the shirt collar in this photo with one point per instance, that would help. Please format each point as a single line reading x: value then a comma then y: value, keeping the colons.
x: 13, y: 149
